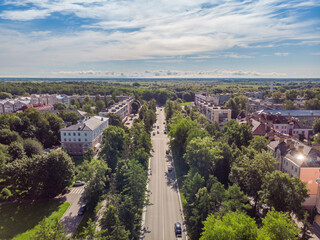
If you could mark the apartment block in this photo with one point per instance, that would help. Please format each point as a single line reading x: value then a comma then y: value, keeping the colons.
x: 76, y: 139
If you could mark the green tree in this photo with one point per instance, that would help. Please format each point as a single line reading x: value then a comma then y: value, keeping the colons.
x: 316, y: 126
x: 115, y: 145
x: 276, y: 96
x: 55, y: 172
x: 135, y: 106
x: 115, y: 120
x: 312, y: 104
x: 259, y: 143
x: 232, y: 226
x: 213, y: 129
x: 60, y: 106
x: 32, y: 146
x: 89, y: 154
x: 291, y: 94
x: 49, y: 231
x: 238, y: 134
x: 289, y: 105
x: 7, y: 136
x: 249, y: 173
x: 4, y: 95
x: 283, y: 193
x: 278, y: 226
x: 202, y: 154
x: 70, y: 117
x: 100, y: 105
x: 15, y: 150
x: 235, y: 200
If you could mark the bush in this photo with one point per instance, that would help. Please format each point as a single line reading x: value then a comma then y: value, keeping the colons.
x: 32, y: 147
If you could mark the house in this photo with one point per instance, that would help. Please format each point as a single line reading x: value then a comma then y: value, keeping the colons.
x: 298, y: 159
x: 76, y: 139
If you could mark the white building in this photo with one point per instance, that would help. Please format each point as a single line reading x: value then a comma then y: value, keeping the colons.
x: 123, y: 108
x: 76, y: 139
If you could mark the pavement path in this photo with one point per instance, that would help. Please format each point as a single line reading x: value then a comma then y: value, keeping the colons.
x: 70, y: 218
x: 165, y: 208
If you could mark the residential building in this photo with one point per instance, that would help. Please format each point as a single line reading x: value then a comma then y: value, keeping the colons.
x: 214, y: 113
x: 298, y: 159
x: 123, y: 108
x: 215, y: 99
x: 254, y: 105
x: 76, y: 139
x: 303, y: 115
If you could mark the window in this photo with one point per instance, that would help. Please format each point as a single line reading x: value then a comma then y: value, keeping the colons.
x: 64, y: 134
x: 74, y: 139
x: 78, y: 134
x: 69, y: 134
x: 79, y: 140
x: 69, y: 139
x: 291, y: 167
x: 65, y: 139
x: 74, y: 146
x: 286, y: 163
x: 80, y: 145
x: 85, y: 134
x: 296, y: 170
x: 86, y: 140
x: 74, y: 134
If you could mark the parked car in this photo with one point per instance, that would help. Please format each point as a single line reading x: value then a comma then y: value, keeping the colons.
x: 82, y: 210
x: 170, y: 169
x: 157, y: 132
x: 177, y: 229
x: 153, y: 133
x: 78, y: 183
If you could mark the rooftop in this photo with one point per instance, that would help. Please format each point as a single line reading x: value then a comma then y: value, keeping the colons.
x: 88, y: 125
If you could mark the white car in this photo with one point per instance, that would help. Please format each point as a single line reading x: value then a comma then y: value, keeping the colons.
x: 78, y: 183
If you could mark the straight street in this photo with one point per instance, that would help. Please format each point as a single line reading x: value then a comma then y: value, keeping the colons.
x: 165, y: 210
x: 70, y: 218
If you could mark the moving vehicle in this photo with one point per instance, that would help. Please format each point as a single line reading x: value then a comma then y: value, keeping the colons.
x: 177, y: 229
x: 78, y: 183
x: 82, y: 210
x: 153, y: 133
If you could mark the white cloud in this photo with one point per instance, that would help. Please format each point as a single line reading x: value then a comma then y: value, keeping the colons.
x: 162, y: 29
x: 281, y: 54
x: 316, y: 53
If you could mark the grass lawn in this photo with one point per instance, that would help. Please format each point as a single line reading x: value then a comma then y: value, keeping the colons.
x: 20, y: 220
x: 185, y: 103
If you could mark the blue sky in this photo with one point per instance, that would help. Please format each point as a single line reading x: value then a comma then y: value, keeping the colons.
x: 160, y: 38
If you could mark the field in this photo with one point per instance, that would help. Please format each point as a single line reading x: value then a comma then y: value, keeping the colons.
x: 20, y: 220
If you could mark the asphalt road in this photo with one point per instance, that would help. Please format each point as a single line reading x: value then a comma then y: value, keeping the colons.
x: 165, y: 209
x: 70, y: 218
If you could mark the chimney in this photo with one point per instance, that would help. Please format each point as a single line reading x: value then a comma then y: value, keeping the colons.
x: 300, y: 148
x: 316, y: 146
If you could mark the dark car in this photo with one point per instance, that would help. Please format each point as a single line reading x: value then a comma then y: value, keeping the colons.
x: 82, y: 210
x: 177, y: 229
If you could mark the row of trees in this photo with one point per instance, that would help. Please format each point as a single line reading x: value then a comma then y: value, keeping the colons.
x: 221, y: 169
x: 126, y: 153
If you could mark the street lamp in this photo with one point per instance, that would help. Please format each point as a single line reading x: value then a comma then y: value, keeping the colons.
x: 318, y: 196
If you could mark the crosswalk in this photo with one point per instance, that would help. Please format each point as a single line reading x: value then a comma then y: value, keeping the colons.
x: 77, y: 190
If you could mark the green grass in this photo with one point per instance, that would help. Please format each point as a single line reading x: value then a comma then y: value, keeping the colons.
x: 20, y: 220
x: 185, y: 103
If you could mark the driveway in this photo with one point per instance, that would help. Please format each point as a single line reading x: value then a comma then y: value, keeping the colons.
x: 70, y: 218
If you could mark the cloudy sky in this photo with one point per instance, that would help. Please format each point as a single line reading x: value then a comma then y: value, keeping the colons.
x: 160, y: 38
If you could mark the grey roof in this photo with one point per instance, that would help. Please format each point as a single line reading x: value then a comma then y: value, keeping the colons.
x: 87, y: 125
x: 293, y: 113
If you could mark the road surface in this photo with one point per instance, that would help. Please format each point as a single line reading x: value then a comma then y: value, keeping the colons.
x: 165, y: 209
x: 70, y: 218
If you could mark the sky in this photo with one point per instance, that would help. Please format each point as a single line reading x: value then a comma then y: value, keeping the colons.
x: 160, y: 38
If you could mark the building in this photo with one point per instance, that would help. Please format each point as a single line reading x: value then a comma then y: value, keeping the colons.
x: 214, y: 113
x: 254, y: 105
x: 215, y: 99
x: 76, y: 139
x: 123, y: 108
x: 307, y: 115
x: 298, y: 159
x: 265, y: 123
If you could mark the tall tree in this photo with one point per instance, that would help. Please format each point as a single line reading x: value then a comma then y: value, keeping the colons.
x: 278, y: 226
x: 232, y: 226
x: 284, y: 193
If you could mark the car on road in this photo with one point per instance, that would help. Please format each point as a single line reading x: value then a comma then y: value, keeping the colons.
x: 153, y: 133
x: 78, y: 183
x: 157, y: 127
x: 164, y: 122
x: 170, y: 169
x: 165, y: 132
x: 177, y: 229
x: 82, y: 210
x: 157, y: 132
